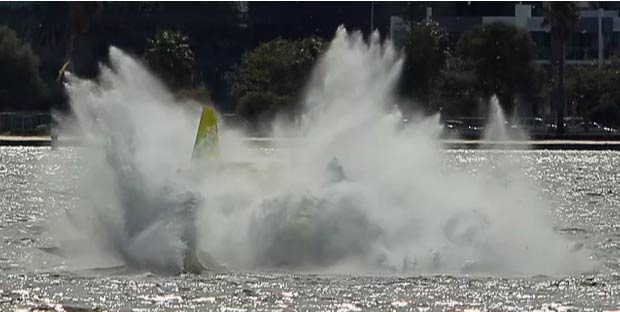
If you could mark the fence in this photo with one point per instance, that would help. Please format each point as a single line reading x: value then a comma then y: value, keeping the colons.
x: 24, y: 122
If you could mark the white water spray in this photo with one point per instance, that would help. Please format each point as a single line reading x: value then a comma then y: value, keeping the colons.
x: 133, y: 203
x: 495, y: 129
x: 359, y: 192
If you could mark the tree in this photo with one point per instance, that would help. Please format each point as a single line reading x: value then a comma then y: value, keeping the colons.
x: 21, y: 87
x: 85, y: 46
x: 594, y: 91
x: 269, y: 78
x: 169, y: 55
x: 47, y: 30
x: 563, y: 17
x: 503, y: 59
x: 456, y: 88
x: 426, y: 48
x: 584, y: 88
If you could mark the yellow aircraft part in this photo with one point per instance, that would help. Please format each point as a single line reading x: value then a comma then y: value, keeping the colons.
x: 206, y: 143
x: 62, y: 70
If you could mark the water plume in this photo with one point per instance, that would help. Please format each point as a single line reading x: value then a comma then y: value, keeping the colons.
x: 136, y: 138
x: 359, y: 190
x: 497, y: 127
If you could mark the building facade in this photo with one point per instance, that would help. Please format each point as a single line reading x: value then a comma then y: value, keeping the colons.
x: 596, y: 39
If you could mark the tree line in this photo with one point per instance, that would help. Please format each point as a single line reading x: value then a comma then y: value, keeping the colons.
x: 439, y: 74
x: 452, y: 77
x: 456, y: 77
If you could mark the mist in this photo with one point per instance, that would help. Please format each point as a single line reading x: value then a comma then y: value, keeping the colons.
x: 359, y: 191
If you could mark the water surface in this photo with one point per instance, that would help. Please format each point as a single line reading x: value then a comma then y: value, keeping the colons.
x: 580, y: 185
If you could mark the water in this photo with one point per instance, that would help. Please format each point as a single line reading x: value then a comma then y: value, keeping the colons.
x: 495, y: 129
x: 581, y: 188
x: 363, y: 212
x: 361, y: 192
x: 498, y: 128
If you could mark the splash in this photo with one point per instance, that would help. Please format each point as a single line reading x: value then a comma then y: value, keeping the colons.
x: 358, y: 191
x: 133, y: 203
x: 495, y: 129
x: 498, y: 128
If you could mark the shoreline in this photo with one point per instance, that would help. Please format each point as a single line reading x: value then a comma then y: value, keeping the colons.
x: 542, y: 144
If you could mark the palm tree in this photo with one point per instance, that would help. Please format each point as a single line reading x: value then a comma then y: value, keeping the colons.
x: 80, y: 50
x: 563, y: 17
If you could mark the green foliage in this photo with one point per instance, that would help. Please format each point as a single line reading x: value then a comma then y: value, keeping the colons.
x: 503, y: 58
x: 169, y: 55
x: 594, y: 92
x: 583, y: 88
x: 563, y: 17
x: 269, y: 78
x: 258, y: 107
x: 457, y: 88
x: 20, y: 83
x: 427, y: 49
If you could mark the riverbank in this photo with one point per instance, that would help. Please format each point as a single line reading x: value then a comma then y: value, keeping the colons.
x: 548, y: 144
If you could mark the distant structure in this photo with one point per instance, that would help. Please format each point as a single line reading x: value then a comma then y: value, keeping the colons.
x: 301, y: 19
x: 596, y: 40
x: 219, y: 31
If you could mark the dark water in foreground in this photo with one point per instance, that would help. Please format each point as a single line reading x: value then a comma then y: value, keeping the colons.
x: 582, y: 185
